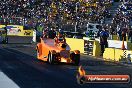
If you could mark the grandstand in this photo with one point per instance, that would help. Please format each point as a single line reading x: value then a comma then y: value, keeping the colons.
x: 62, y: 14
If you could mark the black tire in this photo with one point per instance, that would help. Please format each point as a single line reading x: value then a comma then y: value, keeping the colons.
x: 51, y: 58
x: 37, y: 51
x: 77, y: 59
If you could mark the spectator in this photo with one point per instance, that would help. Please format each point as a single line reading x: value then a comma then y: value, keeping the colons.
x: 120, y: 34
x: 103, y: 40
x: 52, y: 12
x: 51, y: 33
x: 130, y: 35
x: 124, y: 32
x: 59, y: 38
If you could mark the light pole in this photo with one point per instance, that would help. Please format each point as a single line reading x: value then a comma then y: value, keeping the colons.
x: 76, y: 27
x: 76, y: 17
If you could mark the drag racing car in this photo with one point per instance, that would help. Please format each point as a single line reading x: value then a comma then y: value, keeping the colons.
x: 3, y: 36
x: 49, y: 50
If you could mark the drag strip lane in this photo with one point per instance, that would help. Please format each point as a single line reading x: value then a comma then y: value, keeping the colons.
x: 24, y: 75
x: 56, y: 76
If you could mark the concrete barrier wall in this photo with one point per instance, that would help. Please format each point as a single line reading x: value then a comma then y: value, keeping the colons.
x: 96, y: 49
x: 109, y: 53
x: 116, y: 54
x: 76, y: 44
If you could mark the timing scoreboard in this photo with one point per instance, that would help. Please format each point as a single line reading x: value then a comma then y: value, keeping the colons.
x: 88, y: 46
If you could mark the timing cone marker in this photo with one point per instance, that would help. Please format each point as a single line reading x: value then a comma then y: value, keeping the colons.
x: 123, y: 46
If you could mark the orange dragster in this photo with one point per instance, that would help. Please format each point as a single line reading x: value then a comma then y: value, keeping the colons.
x: 49, y: 50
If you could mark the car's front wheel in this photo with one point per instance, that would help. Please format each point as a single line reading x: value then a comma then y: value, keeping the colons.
x: 51, y: 58
x: 37, y: 52
x: 75, y: 58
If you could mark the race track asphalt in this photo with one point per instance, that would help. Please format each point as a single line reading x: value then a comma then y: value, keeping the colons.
x: 19, y: 63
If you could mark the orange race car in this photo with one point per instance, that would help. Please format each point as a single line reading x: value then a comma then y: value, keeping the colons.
x: 48, y: 50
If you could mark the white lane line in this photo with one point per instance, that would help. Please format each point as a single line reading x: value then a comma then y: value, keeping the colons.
x: 29, y: 45
x: 6, y: 82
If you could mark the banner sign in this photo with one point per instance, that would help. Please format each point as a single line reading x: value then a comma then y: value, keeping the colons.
x: 17, y: 30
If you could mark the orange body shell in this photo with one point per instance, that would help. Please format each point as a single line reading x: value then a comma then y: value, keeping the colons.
x: 49, y: 46
x: 61, y: 51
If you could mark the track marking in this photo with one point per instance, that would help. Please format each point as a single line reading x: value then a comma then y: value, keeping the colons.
x: 6, y: 82
x: 29, y: 45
